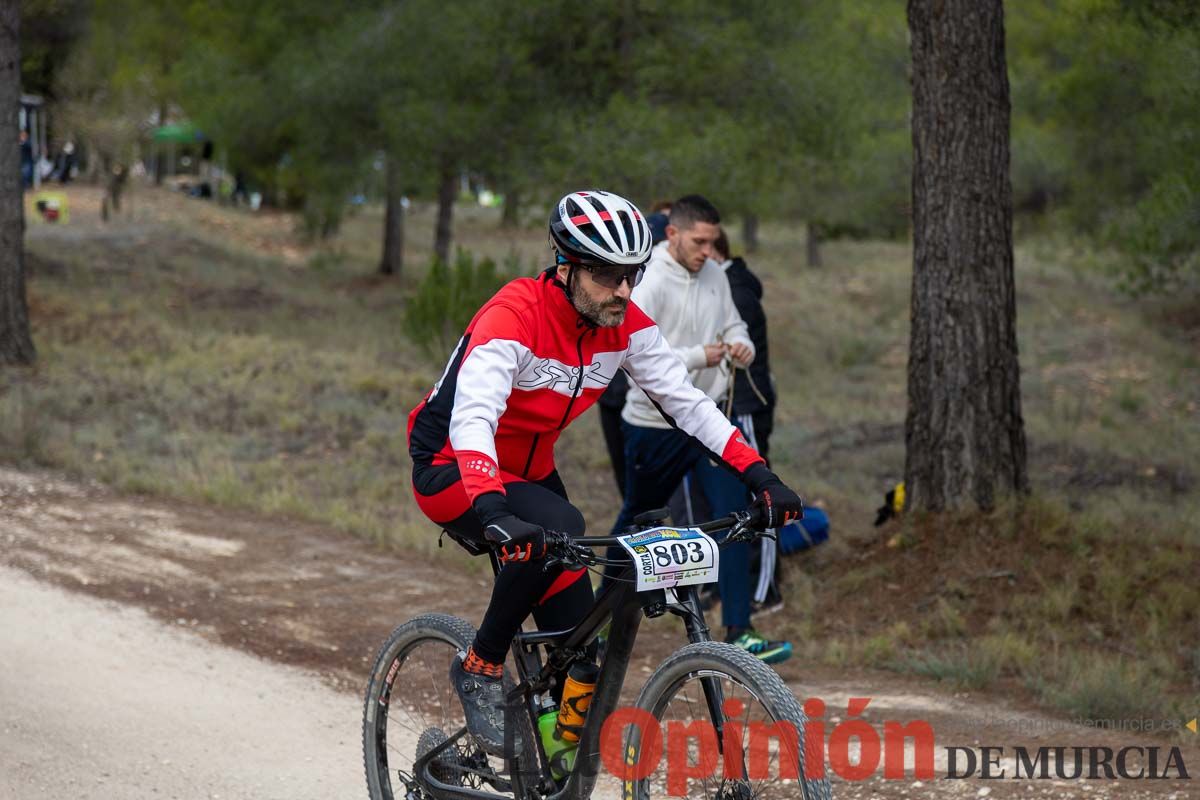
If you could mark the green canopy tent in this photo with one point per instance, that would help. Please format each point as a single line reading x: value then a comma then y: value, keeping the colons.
x: 179, y: 133
x: 172, y: 135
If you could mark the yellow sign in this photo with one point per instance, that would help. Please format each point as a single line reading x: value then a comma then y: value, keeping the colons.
x: 50, y: 207
x: 1191, y: 726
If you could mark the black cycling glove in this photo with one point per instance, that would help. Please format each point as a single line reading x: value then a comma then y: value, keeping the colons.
x: 513, y: 538
x: 775, y: 504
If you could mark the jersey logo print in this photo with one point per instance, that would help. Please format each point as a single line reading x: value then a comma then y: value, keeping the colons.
x: 549, y: 373
x: 482, y: 465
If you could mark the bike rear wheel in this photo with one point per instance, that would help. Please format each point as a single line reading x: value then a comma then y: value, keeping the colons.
x: 411, y: 707
x: 769, y: 744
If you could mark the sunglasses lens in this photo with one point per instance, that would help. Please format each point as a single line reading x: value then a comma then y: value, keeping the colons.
x: 611, y: 277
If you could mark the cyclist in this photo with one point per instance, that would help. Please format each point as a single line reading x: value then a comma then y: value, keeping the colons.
x: 533, y: 358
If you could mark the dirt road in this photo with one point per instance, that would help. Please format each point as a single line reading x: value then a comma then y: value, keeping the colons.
x: 202, y: 653
x: 100, y: 700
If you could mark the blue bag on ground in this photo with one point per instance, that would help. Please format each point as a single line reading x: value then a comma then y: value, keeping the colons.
x: 806, y: 533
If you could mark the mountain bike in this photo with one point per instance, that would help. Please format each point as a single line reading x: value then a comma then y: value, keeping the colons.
x: 416, y: 745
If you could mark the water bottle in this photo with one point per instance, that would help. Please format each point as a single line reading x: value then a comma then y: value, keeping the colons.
x: 559, y: 752
x: 560, y: 729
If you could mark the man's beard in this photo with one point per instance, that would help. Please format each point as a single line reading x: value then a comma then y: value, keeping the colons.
x: 608, y: 314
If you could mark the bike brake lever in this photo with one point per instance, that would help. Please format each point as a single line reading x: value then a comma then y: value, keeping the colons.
x: 565, y: 553
x: 580, y: 558
x: 744, y: 531
x: 736, y: 534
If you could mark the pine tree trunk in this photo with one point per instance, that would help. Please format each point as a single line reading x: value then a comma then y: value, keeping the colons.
x: 116, y: 185
x: 160, y: 164
x: 447, y: 191
x: 750, y: 232
x: 627, y: 31
x: 812, y: 243
x: 393, y: 221
x: 511, y: 216
x: 16, y: 346
x: 964, y: 435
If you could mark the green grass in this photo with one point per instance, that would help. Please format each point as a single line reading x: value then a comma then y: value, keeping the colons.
x: 1103, y: 687
x: 1091, y: 620
x: 199, y: 352
x: 963, y: 668
x: 179, y: 368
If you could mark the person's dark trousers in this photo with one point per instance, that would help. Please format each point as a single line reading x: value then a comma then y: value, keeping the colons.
x: 726, y: 494
x: 610, y: 404
x: 689, y: 505
x: 610, y: 423
x: 757, y: 429
x: 655, y: 462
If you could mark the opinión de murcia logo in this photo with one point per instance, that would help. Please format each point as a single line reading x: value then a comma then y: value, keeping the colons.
x: 856, y: 750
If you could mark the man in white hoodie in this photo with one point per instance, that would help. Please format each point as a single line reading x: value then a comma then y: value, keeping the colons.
x: 688, y: 295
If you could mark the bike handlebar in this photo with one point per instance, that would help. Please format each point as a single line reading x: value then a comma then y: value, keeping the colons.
x: 742, y: 525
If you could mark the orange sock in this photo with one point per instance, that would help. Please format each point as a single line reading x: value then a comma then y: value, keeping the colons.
x: 473, y: 663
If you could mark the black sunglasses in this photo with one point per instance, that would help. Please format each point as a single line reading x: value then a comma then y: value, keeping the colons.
x: 610, y: 276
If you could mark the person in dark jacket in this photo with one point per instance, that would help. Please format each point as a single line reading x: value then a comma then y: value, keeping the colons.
x: 753, y: 406
x: 753, y: 388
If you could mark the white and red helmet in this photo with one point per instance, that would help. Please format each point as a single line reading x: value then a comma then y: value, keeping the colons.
x: 597, y: 228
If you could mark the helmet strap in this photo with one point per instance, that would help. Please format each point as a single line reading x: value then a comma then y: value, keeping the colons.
x: 559, y: 260
x: 568, y: 289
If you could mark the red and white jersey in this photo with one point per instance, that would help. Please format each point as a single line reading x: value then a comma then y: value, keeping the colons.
x: 528, y: 365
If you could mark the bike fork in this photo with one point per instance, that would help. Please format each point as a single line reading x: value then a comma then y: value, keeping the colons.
x: 697, y: 631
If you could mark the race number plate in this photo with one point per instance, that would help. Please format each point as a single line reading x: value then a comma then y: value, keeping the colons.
x: 667, y: 557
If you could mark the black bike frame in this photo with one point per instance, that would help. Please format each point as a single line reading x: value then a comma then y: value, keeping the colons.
x: 624, y: 606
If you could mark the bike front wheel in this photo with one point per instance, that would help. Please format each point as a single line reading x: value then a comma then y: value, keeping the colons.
x: 757, y: 749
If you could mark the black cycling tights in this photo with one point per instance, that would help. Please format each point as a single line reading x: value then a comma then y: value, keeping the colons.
x: 520, y: 586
